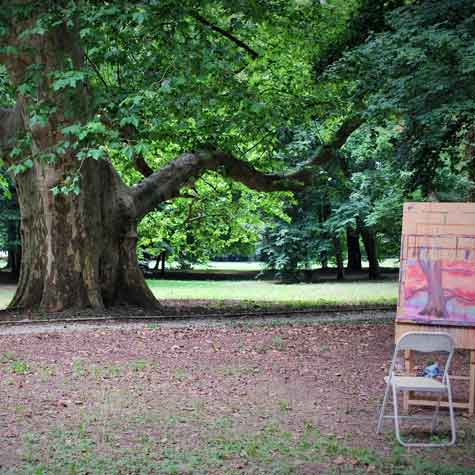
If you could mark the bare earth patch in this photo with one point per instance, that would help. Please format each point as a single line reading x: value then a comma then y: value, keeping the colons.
x: 294, y: 398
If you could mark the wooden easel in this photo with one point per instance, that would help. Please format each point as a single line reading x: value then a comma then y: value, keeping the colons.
x: 465, y: 340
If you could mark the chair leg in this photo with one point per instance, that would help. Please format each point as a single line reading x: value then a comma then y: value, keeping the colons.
x: 396, y: 416
x: 434, y: 418
x: 451, y: 413
x: 381, y: 412
x: 436, y: 414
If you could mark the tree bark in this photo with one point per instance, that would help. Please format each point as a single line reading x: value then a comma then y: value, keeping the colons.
x: 354, y: 252
x: 78, y: 251
x: 370, y: 245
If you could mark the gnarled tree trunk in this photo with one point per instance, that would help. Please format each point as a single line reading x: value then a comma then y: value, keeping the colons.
x: 78, y: 251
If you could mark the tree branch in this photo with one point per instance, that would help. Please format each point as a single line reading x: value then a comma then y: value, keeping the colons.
x: 188, y: 167
x: 127, y: 132
x: 96, y: 70
x: 253, y: 54
x: 142, y: 166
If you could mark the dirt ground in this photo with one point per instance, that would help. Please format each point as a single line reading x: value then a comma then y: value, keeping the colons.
x: 200, y: 398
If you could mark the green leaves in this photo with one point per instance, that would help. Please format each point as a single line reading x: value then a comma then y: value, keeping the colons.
x: 129, y: 120
x: 68, y: 79
x: 418, y: 73
x: 91, y: 130
x: 71, y: 184
x: 20, y: 167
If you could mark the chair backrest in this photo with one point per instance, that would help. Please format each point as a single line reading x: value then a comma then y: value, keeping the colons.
x: 426, y: 342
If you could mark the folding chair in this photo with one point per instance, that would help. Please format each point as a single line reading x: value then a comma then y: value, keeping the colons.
x: 423, y: 342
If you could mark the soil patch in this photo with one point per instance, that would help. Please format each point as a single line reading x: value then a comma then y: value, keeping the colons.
x: 293, y: 398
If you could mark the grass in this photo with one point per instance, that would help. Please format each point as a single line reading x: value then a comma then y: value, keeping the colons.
x: 265, y: 291
x: 271, y: 449
x: 6, y: 295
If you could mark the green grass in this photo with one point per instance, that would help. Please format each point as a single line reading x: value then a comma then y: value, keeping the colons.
x: 271, y: 449
x: 6, y: 295
x: 264, y: 291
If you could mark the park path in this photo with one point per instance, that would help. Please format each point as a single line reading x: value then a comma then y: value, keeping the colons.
x: 22, y: 328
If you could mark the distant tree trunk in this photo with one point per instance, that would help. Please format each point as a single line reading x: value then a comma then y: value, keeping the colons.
x: 340, y: 268
x: 160, y: 263
x: 164, y: 256
x: 14, y: 249
x: 354, y: 252
x: 157, y: 263
x: 324, y: 259
x: 370, y: 245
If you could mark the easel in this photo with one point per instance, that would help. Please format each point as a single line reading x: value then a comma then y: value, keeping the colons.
x: 438, y: 246
x: 464, y: 340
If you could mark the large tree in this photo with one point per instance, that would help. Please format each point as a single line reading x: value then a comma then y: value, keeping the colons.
x: 100, y: 82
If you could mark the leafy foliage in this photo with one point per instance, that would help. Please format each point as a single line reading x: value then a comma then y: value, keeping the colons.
x: 418, y: 75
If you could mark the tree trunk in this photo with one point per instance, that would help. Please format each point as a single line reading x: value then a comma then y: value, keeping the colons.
x: 354, y: 252
x: 370, y: 245
x: 340, y: 268
x: 164, y: 256
x: 78, y: 251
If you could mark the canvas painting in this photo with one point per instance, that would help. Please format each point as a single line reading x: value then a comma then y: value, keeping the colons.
x: 437, y: 269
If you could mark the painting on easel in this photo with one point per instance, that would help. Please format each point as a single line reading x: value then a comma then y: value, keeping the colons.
x: 437, y: 276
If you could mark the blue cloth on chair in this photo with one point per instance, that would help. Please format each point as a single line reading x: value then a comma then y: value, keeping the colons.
x: 432, y: 371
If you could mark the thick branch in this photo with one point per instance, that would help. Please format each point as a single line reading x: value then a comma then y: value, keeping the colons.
x: 253, y: 54
x: 187, y: 168
x: 142, y: 166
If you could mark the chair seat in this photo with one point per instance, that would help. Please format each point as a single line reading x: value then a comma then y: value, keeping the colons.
x: 416, y: 383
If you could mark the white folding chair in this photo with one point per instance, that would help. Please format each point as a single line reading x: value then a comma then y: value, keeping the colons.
x: 423, y: 342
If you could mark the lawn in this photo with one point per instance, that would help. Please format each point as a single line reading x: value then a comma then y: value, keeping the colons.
x: 252, y: 400
x: 265, y: 291
x: 6, y: 294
